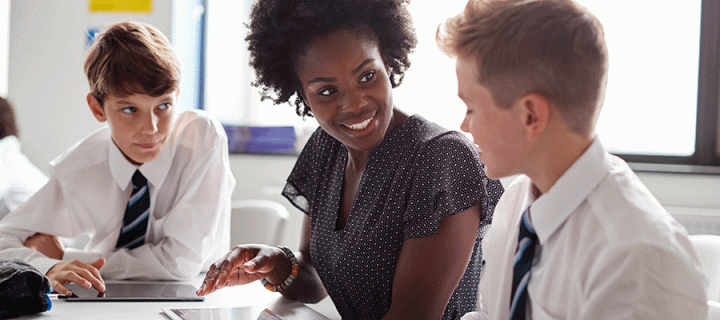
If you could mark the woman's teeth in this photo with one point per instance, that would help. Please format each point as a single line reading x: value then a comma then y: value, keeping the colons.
x: 359, y: 126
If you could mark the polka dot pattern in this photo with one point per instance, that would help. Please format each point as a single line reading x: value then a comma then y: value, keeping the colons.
x: 418, y: 174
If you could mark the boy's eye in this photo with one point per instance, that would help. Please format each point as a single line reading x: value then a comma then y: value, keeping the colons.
x: 164, y: 106
x: 128, y: 110
x: 367, y: 77
x: 326, y: 92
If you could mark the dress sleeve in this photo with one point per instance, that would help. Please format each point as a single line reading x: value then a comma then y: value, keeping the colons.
x: 448, y: 178
x: 301, y: 184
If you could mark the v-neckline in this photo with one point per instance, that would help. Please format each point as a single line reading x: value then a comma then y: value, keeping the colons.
x: 341, y: 191
x: 342, y: 162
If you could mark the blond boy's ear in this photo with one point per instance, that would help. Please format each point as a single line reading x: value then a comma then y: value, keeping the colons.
x: 96, y: 109
x: 536, y: 114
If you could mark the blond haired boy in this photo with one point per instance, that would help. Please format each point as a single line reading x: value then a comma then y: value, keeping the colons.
x: 577, y: 235
x: 151, y: 189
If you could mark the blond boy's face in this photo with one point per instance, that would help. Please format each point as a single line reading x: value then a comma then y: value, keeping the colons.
x: 139, y: 123
x: 497, y: 131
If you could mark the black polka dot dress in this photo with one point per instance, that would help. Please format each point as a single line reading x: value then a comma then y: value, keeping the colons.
x: 418, y: 174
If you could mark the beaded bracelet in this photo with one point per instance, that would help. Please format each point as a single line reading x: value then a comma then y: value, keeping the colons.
x: 290, y: 279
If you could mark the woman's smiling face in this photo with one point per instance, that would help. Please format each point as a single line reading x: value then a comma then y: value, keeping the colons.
x: 346, y: 85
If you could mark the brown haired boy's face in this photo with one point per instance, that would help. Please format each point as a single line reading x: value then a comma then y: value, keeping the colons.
x: 140, y: 124
x: 497, y: 131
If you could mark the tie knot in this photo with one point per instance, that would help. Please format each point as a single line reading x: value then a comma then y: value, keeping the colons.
x: 138, y: 180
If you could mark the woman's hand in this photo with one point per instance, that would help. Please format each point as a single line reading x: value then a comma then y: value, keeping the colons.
x: 245, y: 264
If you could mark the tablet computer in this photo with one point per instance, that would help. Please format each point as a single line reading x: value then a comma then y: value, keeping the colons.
x: 156, y: 291
x: 237, y: 313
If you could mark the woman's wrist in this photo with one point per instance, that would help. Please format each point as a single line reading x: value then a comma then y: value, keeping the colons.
x: 283, y: 283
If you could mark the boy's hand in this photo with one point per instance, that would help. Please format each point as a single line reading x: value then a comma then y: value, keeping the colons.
x: 46, y: 244
x: 84, y: 274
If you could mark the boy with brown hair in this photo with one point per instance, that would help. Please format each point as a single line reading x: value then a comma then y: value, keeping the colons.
x: 577, y: 235
x: 151, y: 189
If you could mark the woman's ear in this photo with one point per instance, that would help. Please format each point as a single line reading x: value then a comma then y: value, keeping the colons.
x: 96, y: 108
x: 305, y: 101
x: 301, y: 92
x: 536, y: 113
x: 387, y: 65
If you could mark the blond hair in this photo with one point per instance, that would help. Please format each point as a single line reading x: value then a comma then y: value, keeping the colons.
x: 554, y: 48
x: 131, y: 58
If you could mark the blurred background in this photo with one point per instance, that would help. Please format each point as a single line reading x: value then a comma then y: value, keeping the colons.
x: 660, y: 112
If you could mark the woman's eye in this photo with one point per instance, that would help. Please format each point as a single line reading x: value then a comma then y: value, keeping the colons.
x: 367, y: 77
x: 326, y: 92
x: 128, y: 110
x: 164, y: 106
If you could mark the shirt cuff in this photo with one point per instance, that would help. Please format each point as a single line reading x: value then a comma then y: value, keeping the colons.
x: 44, y: 264
x: 72, y: 254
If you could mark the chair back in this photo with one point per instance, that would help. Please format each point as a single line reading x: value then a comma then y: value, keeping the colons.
x: 257, y: 221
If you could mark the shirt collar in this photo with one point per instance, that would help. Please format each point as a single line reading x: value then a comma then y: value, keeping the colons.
x: 154, y: 171
x: 10, y: 143
x: 551, y: 209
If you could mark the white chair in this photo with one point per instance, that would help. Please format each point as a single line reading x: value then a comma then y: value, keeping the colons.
x: 707, y: 247
x: 257, y: 221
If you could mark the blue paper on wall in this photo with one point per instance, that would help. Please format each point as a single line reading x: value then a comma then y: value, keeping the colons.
x: 265, y: 139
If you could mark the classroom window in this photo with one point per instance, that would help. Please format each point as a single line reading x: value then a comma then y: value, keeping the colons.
x: 658, y: 86
x: 227, y: 90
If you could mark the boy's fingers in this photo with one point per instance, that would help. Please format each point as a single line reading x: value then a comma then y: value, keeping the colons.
x: 99, y: 263
x: 90, y: 273
x: 60, y: 288
x: 93, y: 278
x: 65, y: 277
x: 96, y: 266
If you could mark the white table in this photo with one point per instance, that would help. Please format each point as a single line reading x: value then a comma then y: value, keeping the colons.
x: 253, y: 295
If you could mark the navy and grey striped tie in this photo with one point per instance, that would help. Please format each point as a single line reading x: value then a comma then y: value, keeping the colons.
x: 135, y: 221
x: 527, y: 241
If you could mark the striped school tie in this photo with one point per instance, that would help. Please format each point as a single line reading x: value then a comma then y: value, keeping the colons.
x: 135, y: 221
x: 527, y: 241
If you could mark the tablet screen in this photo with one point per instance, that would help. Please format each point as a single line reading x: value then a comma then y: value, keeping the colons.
x: 158, y: 291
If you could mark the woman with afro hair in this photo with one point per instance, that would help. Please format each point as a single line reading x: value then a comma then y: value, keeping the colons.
x: 396, y: 206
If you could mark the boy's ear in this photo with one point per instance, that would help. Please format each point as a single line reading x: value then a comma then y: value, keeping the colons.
x: 536, y: 114
x: 96, y: 109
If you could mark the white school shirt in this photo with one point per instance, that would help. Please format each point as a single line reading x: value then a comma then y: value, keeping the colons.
x: 19, y: 178
x: 190, y: 187
x: 608, y: 250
